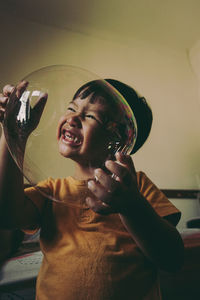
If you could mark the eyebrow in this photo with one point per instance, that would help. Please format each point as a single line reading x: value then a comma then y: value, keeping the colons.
x: 102, y: 114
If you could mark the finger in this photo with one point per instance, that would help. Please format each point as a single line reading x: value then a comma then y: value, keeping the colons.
x: 3, y: 100
x: 21, y: 87
x: 40, y: 104
x: 14, y: 103
x: 108, y: 182
x: 98, y: 207
x: 104, y: 197
x: 98, y: 190
x: 37, y: 111
x: 120, y: 172
x: 8, y: 89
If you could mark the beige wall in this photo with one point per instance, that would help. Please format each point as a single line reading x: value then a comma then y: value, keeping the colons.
x: 161, y: 73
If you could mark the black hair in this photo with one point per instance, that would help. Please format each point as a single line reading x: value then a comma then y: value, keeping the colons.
x: 141, y: 110
x: 99, y: 91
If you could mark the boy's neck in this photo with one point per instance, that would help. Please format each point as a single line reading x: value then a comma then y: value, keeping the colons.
x: 83, y: 172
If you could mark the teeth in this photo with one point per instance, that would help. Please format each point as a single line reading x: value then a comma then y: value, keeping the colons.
x: 72, y: 137
x: 68, y: 136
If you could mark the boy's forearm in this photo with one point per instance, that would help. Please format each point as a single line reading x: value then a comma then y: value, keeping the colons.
x: 158, y: 239
x: 11, y: 183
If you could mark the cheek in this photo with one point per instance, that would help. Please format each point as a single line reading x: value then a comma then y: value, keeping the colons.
x: 60, y: 124
x: 97, y: 139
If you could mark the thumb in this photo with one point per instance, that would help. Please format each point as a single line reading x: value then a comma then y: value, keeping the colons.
x: 40, y: 104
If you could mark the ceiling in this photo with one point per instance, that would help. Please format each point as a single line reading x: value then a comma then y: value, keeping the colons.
x: 172, y: 22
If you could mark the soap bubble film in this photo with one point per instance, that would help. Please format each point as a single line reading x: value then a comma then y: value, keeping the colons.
x: 34, y: 122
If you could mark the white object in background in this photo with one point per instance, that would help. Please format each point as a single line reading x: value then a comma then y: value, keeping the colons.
x: 21, y: 268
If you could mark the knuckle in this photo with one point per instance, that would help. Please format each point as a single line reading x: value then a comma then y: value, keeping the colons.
x: 99, y: 175
x: 3, y: 100
x: 7, y: 89
x: 22, y: 85
x: 91, y: 185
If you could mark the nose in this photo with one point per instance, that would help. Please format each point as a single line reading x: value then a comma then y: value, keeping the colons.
x: 74, y: 120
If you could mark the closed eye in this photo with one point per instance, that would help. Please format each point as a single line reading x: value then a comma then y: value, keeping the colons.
x: 71, y: 109
x: 87, y: 115
x: 91, y: 117
x: 94, y: 118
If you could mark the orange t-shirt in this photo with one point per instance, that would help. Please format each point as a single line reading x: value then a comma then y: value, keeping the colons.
x: 88, y: 256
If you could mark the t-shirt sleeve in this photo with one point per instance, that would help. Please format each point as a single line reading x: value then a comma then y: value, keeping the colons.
x: 156, y: 198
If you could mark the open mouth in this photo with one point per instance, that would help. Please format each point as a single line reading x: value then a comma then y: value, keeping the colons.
x: 71, y: 138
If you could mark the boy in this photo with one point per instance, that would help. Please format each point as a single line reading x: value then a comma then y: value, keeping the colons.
x: 110, y: 243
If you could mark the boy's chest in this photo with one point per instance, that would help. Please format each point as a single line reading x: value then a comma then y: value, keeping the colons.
x: 79, y: 228
x: 95, y: 251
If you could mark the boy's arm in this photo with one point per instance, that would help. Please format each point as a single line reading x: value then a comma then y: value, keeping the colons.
x: 157, y: 238
x: 16, y: 210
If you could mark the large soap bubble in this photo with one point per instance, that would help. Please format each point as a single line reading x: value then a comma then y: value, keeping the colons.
x: 42, y: 159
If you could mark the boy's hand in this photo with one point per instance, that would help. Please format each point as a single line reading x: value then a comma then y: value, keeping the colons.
x: 114, y: 193
x: 4, y: 96
x: 13, y: 95
x: 7, y: 92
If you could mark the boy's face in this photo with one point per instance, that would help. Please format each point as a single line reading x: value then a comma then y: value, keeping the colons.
x: 81, y: 133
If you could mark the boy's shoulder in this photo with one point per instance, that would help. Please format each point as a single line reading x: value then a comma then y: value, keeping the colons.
x: 145, y: 184
x: 141, y: 177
